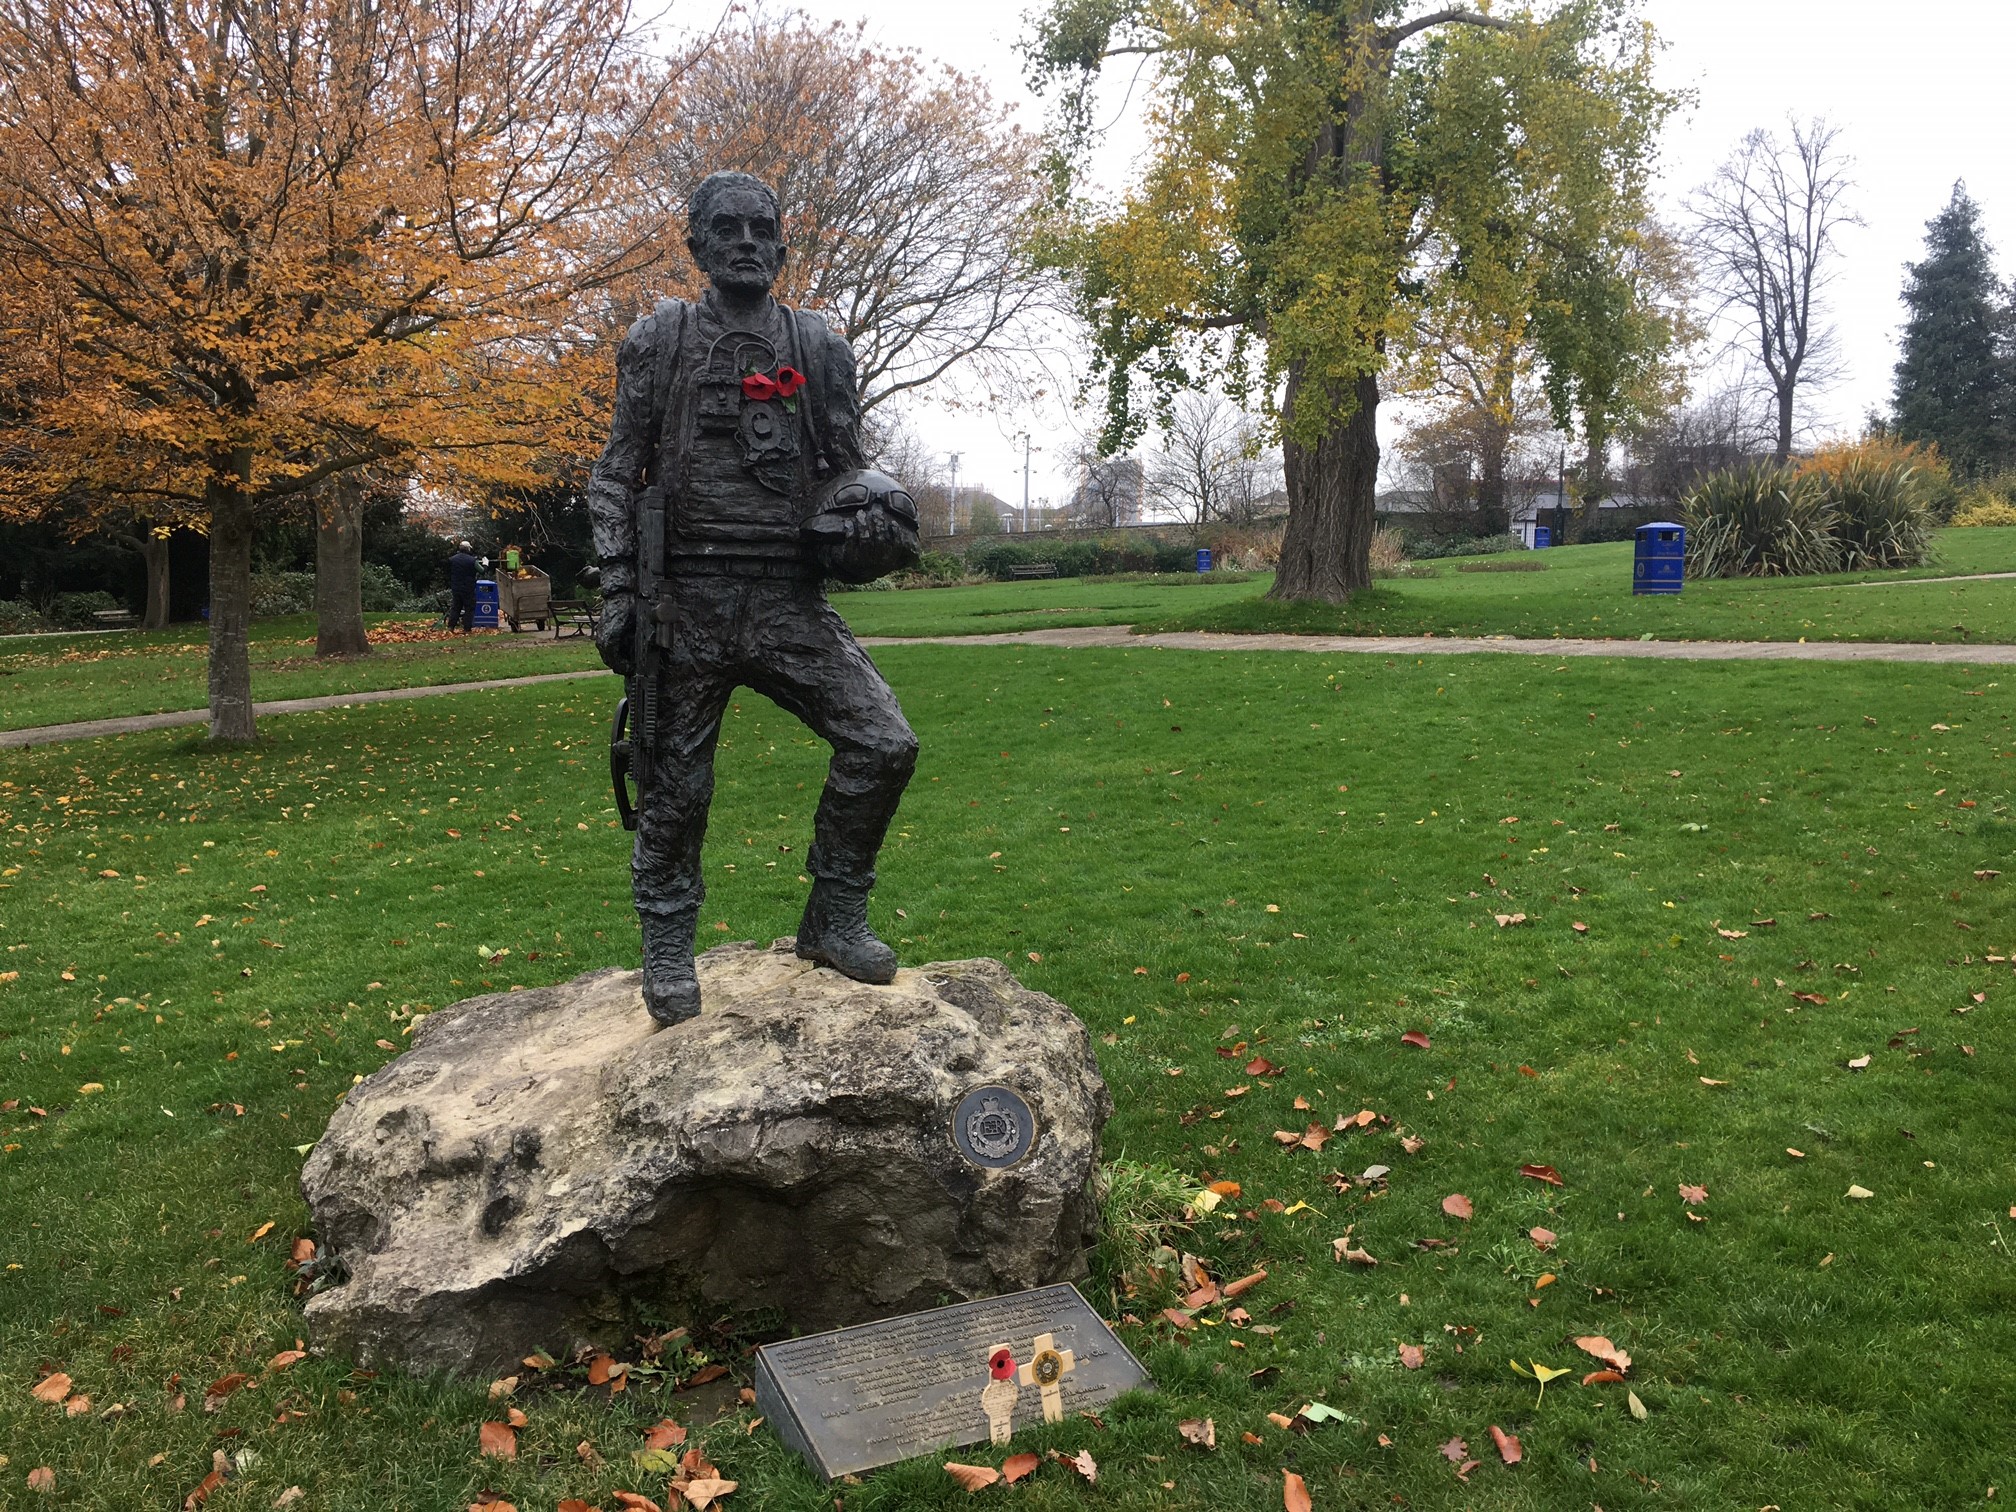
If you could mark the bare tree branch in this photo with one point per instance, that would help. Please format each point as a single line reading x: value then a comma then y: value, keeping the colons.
x: 1766, y: 230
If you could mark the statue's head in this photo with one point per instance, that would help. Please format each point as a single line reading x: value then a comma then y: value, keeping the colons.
x: 734, y: 233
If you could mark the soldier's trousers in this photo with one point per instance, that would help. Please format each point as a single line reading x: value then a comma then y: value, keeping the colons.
x: 783, y: 640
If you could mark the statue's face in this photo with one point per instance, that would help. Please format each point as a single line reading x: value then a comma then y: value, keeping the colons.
x: 740, y: 246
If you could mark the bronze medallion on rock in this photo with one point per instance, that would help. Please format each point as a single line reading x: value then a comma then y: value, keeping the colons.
x: 993, y: 1127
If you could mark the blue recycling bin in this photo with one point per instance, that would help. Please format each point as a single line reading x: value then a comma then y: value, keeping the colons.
x: 486, y: 604
x: 1660, y: 563
x: 1543, y: 537
x: 1203, y: 558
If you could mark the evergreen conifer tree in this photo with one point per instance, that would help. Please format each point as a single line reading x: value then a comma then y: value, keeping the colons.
x: 1953, y: 380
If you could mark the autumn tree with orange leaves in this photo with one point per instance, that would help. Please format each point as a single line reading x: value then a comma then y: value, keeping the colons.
x: 287, y: 239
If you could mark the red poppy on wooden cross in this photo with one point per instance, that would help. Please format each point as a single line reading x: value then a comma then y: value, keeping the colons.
x: 1046, y: 1370
x: 997, y: 1397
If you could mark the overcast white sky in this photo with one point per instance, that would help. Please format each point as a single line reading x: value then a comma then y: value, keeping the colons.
x: 1921, y: 93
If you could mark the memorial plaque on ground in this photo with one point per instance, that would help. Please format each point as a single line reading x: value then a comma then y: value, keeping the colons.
x: 857, y: 1398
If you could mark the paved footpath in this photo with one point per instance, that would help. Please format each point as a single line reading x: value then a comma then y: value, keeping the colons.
x: 1452, y: 645
x: 1118, y: 636
x: 90, y: 729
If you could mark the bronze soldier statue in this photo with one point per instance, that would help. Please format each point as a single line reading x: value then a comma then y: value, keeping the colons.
x: 732, y: 485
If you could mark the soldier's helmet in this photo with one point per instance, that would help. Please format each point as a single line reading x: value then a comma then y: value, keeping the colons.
x: 863, y: 526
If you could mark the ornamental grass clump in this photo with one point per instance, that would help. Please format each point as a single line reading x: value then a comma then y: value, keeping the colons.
x: 1759, y: 521
x: 1881, y: 511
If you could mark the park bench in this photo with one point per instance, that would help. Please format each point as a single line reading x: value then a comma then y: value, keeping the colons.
x: 115, y: 619
x: 575, y: 617
x: 1032, y: 570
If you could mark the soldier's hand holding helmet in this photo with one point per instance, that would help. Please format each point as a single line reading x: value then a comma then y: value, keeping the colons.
x: 864, y: 526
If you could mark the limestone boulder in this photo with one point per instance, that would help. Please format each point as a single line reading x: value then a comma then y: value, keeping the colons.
x: 539, y: 1161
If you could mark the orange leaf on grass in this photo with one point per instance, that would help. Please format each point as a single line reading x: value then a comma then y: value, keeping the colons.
x: 1543, y: 1238
x: 1244, y: 1284
x: 1456, y: 1205
x: 1199, y: 1431
x: 41, y: 1478
x: 1415, y: 1038
x: 1693, y: 1195
x: 1019, y: 1466
x: 498, y: 1440
x: 703, y: 1375
x: 1294, y: 1493
x: 1601, y: 1378
x: 575, y: 1504
x: 1544, y: 1173
x: 52, y: 1388
x: 1410, y: 1356
x: 285, y: 1358
x: 219, y: 1391
x: 202, y: 1492
x: 1604, y: 1350
x: 633, y: 1502
x: 1508, y: 1445
x: 1082, y: 1462
x: 664, y: 1434
x: 1177, y: 1316
x: 1455, y: 1450
x: 703, y: 1492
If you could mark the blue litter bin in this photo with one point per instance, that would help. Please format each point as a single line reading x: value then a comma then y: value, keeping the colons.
x: 486, y: 604
x: 1660, y: 562
x: 1543, y: 537
x: 1203, y: 558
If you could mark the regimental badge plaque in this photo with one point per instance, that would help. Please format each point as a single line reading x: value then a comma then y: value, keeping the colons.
x: 993, y: 1127
x: 858, y: 1398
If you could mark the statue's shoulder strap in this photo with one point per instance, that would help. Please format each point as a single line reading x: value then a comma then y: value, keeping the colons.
x: 669, y: 319
x: 810, y: 335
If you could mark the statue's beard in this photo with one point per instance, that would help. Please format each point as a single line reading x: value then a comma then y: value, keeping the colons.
x: 742, y: 280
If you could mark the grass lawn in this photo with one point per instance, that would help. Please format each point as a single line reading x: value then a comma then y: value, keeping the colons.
x: 1782, y: 870
x: 1046, y: 604
x: 53, y: 679
x: 1585, y: 591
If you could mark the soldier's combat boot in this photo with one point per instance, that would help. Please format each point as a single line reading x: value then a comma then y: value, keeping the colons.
x: 671, y: 988
x: 835, y: 932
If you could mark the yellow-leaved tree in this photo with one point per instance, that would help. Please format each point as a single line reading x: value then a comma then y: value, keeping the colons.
x: 280, y: 240
x: 1329, y: 179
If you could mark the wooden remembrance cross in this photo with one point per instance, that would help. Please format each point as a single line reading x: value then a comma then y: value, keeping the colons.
x: 1046, y: 1371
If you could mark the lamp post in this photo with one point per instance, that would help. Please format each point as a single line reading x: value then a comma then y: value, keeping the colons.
x: 1025, y: 482
x: 952, y: 498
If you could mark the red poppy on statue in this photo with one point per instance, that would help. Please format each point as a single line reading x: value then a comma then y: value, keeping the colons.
x: 1001, y: 1364
x: 789, y: 381
x: 760, y: 386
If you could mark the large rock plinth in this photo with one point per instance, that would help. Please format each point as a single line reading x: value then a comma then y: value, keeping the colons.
x: 538, y: 1157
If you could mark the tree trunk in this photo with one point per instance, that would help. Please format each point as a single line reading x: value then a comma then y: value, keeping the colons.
x: 1593, y: 483
x: 1332, y: 492
x: 1493, y: 518
x: 339, y: 567
x: 231, y: 600
x: 1783, y: 452
x: 154, y: 558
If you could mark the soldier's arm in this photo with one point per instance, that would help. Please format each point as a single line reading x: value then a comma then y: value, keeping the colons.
x: 842, y: 406
x: 619, y: 471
